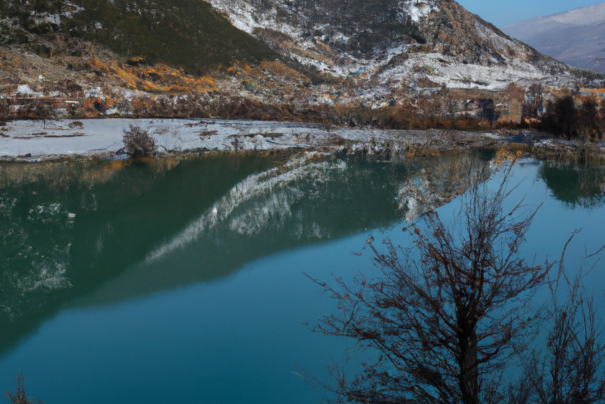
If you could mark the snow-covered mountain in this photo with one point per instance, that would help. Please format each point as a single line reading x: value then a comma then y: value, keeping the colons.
x: 262, y: 59
x: 576, y: 37
x: 435, y: 39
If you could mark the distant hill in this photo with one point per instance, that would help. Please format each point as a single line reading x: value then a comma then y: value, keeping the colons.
x: 576, y: 37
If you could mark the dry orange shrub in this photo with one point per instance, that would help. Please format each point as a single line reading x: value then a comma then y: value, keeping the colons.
x: 97, y: 64
x: 281, y: 70
x: 510, y: 153
x: 95, y: 105
x: 142, y: 105
x: 166, y: 79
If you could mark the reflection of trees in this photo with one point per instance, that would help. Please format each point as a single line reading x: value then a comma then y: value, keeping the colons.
x: 201, y: 218
x: 575, y: 185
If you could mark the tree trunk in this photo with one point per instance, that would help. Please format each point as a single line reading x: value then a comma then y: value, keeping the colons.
x: 469, y: 370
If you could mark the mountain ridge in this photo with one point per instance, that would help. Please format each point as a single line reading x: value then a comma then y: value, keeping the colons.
x: 433, y: 27
x: 583, y: 15
x: 575, y: 37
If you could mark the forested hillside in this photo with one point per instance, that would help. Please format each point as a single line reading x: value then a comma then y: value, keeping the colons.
x: 183, y: 33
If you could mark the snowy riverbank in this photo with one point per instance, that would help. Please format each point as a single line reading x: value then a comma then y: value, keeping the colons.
x: 33, y: 141
x: 103, y: 137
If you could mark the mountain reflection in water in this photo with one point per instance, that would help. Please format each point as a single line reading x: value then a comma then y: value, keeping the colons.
x: 154, y: 225
x: 189, y: 272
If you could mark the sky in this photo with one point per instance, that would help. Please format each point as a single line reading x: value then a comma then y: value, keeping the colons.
x: 502, y: 13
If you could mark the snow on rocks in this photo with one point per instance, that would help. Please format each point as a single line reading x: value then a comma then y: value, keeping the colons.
x: 504, y: 61
x: 448, y: 70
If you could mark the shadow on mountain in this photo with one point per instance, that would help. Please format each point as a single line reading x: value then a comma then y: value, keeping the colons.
x: 146, y: 227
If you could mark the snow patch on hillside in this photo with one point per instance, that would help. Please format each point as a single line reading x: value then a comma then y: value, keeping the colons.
x: 495, y: 70
x: 448, y: 70
x: 246, y: 17
x: 417, y: 10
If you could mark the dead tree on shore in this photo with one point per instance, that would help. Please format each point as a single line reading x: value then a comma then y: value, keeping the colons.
x: 447, y: 314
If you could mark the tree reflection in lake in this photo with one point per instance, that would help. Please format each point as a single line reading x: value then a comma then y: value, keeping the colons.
x: 575, y: 185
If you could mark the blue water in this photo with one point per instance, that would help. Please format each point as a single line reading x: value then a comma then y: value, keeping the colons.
x: 223, y: 317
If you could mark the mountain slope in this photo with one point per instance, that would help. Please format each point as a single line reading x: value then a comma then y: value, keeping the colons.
x: 343, y: 61
x: 378, y: 41
x: 435, y: 39
x: 576, y: 37
x: 184, y: 33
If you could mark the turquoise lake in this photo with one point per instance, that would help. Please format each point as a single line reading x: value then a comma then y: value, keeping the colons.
x: 185, y: 279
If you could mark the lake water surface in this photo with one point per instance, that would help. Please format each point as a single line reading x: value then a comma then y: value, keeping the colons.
x: 183, y: 280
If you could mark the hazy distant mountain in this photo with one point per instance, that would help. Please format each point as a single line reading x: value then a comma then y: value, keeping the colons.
x: 576, y: 37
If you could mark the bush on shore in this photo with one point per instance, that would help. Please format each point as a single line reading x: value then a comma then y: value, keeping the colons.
x: 138, y: 142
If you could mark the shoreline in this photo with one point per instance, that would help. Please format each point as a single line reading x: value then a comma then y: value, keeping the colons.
x: 31, y: 141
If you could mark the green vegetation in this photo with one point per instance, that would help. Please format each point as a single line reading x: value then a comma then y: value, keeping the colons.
x: 367, y: 24
x: 430, y: 70
x: 17, y: 14
x: 183, y: 33
x: 408, y: 29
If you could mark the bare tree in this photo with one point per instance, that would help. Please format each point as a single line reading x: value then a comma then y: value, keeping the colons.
x: 447, y: 314
x: 21, y: 397
x: 43, y: 110
x: 569, y: 369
